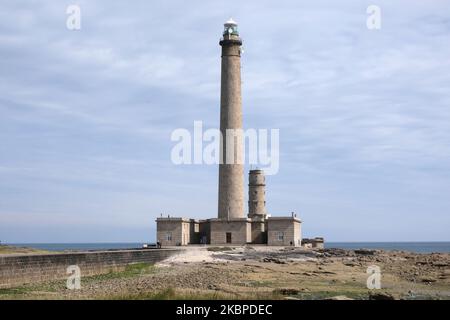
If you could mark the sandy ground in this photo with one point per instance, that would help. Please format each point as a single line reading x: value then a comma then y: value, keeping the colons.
x: 192, y: 255
x: 254, y: 272
x: 203, y: 255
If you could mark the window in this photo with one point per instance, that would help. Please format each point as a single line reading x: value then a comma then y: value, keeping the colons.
x: 280, y: 236
x: 169, y: 236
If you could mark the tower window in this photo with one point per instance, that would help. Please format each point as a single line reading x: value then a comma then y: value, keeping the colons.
x: 169, y: 236
x: 280, y: 236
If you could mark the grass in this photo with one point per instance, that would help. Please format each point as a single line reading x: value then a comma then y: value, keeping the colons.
x: 13, y: 291
x: 51, y: 287
x: 131, y: 270
x: 172, y: 294
x: 5, y: 249
x: 26, y: 289
x: 320, y: 295
x: 259, y: 283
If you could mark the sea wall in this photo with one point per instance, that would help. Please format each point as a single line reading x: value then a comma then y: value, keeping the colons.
x: 21, y: 269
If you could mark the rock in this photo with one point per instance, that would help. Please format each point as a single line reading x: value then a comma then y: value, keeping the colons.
x: 339, y: 298
x: 428, y: 280
x: 324, y: 272
x: 336, y: 252
x: 440, y: 264
x: 380, y: 296
x: 287, y: 291
x: 274, y: 260
x: 366, y: 252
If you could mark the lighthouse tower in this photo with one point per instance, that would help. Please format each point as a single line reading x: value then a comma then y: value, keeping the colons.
x: 256, y: 194
x: 232, y: 225
x: 231, y: 169
x: 257, y: 205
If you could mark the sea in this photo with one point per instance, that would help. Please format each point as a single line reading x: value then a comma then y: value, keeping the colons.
x: 418, y: 247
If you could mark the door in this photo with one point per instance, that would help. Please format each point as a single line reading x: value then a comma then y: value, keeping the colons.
x: 228, y: 237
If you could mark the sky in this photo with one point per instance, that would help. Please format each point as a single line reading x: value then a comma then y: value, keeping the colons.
x: 86, y: 116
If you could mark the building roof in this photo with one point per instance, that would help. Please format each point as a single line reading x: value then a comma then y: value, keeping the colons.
x: 174, y: 219
x: 230, y: 22
x: 284, y: 218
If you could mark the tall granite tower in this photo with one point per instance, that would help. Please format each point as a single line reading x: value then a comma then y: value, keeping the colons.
x: 232, y: 226
x: 231, y: 169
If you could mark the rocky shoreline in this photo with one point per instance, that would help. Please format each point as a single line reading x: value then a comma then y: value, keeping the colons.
x: 264, y: 273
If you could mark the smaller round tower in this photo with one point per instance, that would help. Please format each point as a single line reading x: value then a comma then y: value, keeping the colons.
x: 256, y: 194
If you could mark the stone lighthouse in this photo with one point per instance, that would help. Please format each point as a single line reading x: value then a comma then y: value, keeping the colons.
x: 231, y: 169
x: 232, y: 225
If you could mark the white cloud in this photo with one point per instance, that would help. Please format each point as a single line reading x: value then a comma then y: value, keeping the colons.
x: 93, y: 109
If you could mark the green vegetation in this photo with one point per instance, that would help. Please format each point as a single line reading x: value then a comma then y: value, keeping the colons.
x: 50, y: 288
x: 5, y: 249
x: 320, y: 295
x: 172, y: 294
x: 13, y: 291
x: 259, y: 283
x: 25, y: 290
x: 131, y: 270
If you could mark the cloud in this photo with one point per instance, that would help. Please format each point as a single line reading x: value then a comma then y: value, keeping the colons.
x: 86, y: 116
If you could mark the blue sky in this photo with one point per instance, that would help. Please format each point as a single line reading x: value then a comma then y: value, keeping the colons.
x: 86, y: 116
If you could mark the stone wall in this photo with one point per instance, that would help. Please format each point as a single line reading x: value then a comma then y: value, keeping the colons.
x: 240, y: 230
x: 290, y: 229
x: 205, y: 231
x: 16, y: 270
x: 259, y: 234
x: 178, y: 228
x: 317, y: 243
x: 194, y: 231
